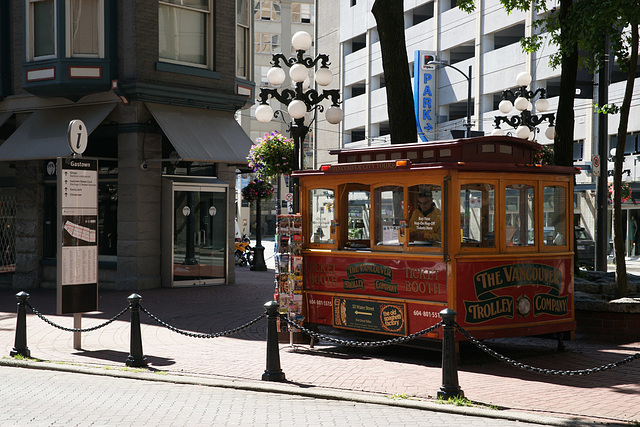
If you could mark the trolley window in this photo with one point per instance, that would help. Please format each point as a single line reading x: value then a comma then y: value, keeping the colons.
x: 389, y: 206
x: 321, y: 212
x: 425, y: 202
x: 519, y: 215
x: 555, y: 216
x: 477, y: 215
x: 359, y: 216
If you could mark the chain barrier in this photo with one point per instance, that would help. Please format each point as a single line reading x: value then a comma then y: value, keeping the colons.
x: 350, y: 343
x: 93, y: 328
x: 544, y: 371
x: 197, y: 335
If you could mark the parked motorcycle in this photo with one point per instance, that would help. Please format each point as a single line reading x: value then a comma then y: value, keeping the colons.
x: 244, y: 251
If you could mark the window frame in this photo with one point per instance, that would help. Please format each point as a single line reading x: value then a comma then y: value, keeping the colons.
x: 245, y: 29
x: 208, y: 36
x: 69, y: 30
x: 331, y: 242
x: 497, y: 190
x: 568, y: 209
x: 30, y: 33
x: 503, y: 220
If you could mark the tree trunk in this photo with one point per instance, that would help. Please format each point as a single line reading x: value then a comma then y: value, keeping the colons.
x: 563, y: 143
x: 618, y: 226
x: 389, y: 16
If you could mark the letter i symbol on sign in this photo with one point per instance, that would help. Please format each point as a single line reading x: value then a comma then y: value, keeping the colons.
x: 79, y: 136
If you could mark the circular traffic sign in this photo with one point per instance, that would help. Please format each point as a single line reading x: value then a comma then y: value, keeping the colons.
x: 288, y: 197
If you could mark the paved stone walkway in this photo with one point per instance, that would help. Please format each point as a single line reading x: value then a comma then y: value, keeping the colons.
x: 610, y: 396
x: 49, y: 398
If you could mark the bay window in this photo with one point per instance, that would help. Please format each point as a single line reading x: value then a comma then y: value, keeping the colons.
x: 184, y: 28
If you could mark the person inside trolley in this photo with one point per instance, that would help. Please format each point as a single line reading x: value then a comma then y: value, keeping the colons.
x: 424, y: 225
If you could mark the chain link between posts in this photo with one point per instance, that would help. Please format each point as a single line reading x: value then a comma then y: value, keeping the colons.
x: 93, y: 328
x: 197, y: 335
x: 544, y: 371
x: 349, y: 343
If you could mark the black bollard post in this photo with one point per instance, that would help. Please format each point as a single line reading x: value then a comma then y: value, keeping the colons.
x: 136, y: 359
x: 273, y: 371
x: 450, y: 387
x: 20, y: 346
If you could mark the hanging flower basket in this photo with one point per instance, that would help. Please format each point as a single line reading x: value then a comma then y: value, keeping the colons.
x: 272, y: 155
x: 257, y: 190
x: 544, y: 156
x: 625, y: 194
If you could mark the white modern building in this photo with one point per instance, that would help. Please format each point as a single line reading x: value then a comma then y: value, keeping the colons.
x: 488, y: 41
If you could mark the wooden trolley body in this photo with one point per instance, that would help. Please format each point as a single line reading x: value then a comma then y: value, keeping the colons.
x: 503, y: 260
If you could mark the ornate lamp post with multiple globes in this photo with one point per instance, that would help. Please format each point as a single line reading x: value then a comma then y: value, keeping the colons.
x: 299, y: 100
x: 525, y: 124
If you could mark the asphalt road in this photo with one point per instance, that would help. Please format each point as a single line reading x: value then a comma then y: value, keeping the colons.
x: 32, y: 397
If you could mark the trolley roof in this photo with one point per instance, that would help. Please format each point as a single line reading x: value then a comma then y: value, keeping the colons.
x: 496, y: 153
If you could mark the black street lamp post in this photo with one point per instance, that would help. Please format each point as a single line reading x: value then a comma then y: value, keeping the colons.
x: 525, y: 124
x: 300, y: 99
x: 468, y: 124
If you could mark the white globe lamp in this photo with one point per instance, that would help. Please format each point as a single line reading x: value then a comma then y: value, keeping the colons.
x: 276, y: 76
x: 334, y: 115
x: 521, y: 103
x: 324, y: 76
x: 523, y: 79
x: 497, y: 132
x: 523, y: 132
x: 505, y: 106
x: 264, y: 113
x: 542, y: 105
x: 550, y: 133
x: 301, y: 40
x: 297, y: 109
x: 298, y: 73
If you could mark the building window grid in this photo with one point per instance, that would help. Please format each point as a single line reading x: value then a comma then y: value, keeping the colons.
x: 302, y: 13
x: 267, y: 11
x: 268, y: 43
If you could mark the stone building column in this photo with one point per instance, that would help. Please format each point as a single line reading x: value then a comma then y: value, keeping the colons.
x: 28, y: 223
x: 139, y: 211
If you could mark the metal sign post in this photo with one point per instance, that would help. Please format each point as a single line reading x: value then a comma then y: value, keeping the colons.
x: 77, y: 255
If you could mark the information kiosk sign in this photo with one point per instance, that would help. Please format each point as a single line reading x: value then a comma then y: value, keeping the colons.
x: 77, y: 235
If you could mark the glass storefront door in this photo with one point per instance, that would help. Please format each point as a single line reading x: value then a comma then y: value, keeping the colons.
x: 199, y: 235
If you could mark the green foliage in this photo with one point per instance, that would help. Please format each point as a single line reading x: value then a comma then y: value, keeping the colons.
x: 606, y: 109
x: 272, y: 155
x: 257, y: 189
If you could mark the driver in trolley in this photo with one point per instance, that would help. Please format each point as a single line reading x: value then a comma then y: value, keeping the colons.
x: 424, y: 225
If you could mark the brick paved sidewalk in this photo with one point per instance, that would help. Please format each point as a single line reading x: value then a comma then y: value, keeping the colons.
x: 609, y: 396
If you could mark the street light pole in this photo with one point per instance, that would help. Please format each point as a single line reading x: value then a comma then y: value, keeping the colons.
x: 525, y: 123
x: 300, y: 99
x: 468, y: 77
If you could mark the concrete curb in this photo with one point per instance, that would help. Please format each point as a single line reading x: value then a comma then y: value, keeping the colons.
x: 293, y: 389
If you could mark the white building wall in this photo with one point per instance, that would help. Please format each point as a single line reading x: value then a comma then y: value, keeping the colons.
x: 495, y: 67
